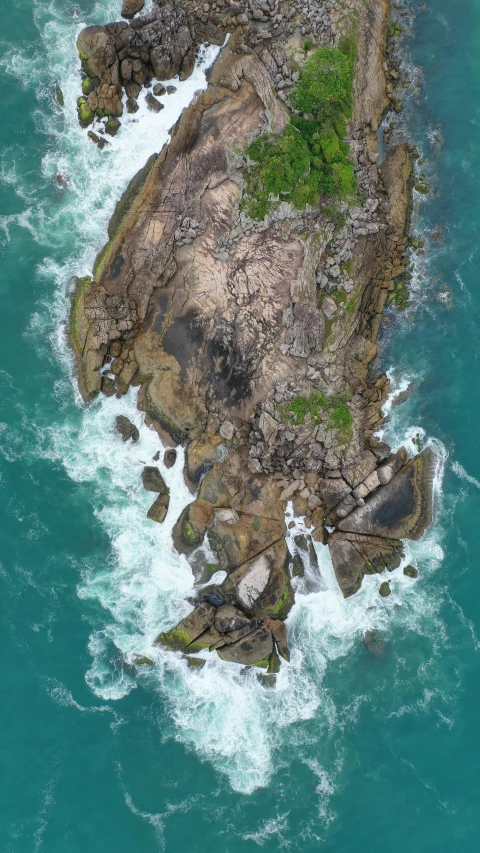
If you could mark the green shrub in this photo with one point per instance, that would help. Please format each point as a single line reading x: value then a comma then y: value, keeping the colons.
x: 310, y: 158
x: 319, y: 408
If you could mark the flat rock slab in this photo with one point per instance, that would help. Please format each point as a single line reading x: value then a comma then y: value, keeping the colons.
x: 229, y: 618
x: 402, y: 509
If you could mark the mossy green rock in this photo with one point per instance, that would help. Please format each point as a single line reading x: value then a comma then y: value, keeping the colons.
x: 112, y: 126
x: 158, y: 510
x: 384, y: 589
x: 59, y: 96
x: 87, y: 86
x: 85, y: 114
x: 410, y: 572
x: 153, y: 481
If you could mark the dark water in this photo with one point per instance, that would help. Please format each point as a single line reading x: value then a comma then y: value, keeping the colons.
x: 348, y: 752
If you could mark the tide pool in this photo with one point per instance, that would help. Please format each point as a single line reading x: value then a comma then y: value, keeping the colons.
x: 348, y: 752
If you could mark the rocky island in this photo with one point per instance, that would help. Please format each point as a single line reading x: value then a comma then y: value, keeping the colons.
x: 242, y: 290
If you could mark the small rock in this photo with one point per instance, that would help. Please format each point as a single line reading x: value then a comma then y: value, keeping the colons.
x: 227, y: 430
x: 132, y: 106
x: 152, y: 103
x: 159, y: 89
x: 126, y: 429
x: 97, y: 140
x: 410, y: 572
x: 170, y: 90
x: 170, y: 457
x: 384, y: 589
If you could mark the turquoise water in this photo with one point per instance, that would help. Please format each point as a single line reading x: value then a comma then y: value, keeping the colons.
x: 348, y: 752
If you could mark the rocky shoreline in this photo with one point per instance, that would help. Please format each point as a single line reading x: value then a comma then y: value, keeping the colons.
x: 253, y: 337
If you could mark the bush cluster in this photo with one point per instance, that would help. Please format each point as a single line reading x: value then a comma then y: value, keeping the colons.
x: 317, y: 406
x: 310, y: 158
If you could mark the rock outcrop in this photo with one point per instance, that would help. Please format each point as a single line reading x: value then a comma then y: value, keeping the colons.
x: 253, y: 339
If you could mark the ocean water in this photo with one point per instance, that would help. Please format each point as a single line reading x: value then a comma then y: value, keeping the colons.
x: 348, y: 752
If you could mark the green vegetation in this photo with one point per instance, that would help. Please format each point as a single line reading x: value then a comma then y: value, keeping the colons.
x: 399, y: 296
x: 307, y: 45
x: 317, y: 406
x: 310, y: 158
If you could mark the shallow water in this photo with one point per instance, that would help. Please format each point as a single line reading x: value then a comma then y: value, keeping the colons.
x: 348, y: 752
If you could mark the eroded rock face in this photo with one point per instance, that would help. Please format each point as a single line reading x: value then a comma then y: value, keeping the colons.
x: 355, y: 555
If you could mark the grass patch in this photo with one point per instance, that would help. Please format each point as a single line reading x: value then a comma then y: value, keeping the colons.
x: 309, y: 159
x: 335, y: 412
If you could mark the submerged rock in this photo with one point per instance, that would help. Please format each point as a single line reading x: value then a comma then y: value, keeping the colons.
x: 384, y: 589
x: 375, y: 643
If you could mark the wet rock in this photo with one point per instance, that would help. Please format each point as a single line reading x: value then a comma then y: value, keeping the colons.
x: 99, y: 141
x: 159, y: 89
x: 191, y: 526
x: 107, y: 386
x: 142, y: 660
x: 253, y: 649
x: 158, y: 510
x: 126, y: 429
x: 131, y: 7
x: 229, y: 618
x: 132, y: 105
x: 384, y: 589
x: 112, y: 126
x: 189, y: 628
x: 170, y: 457
x: 402, y: 509
x: 153, y: 104
x: 355, y: 555
x: 153, y: 481
x: 410, y: 572
x: 195, y: 663
x: 279, y: 633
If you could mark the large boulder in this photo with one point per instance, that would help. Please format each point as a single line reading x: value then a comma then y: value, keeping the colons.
x: 229, y: 618
x: 153, y: 481
x: 131, y: 7
x: 262, y: 586
x: 355, y: 555
x: 236, y: 543
x: 402, y: 509
x: 251, y: 650
x: 180, y: 637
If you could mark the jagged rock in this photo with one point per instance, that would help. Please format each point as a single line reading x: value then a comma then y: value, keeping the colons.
x: 403, y: 508
x: 131, y: 7
x: 188, y: 629
x: 355, y: 555
x: 170, y: 457
x: 153, y: 481
x: 229, y: 618
x: 410, y: 572
x: 158, y: 510
x: 126, y: 429
x: 253, y: 649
